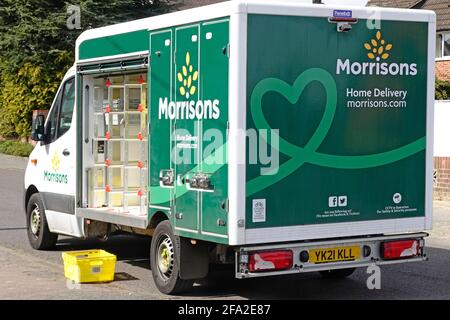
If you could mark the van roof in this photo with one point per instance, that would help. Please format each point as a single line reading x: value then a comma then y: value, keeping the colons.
x: 137, y: 30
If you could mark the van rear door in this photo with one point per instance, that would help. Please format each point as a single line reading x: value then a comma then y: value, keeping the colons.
x: 352, y: 110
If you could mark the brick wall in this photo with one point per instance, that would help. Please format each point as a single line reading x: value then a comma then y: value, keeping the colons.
x: 443, y: 70
x: 442, y: 178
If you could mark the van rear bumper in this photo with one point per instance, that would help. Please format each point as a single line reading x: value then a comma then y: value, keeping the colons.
x: 370, y: 253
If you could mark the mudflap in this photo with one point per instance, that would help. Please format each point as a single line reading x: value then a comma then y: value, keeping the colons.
x: 194, y: 259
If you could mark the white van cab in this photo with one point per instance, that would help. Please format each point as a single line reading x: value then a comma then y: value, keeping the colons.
x: 50, y: 177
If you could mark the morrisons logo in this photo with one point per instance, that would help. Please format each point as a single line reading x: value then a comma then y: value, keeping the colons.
x: 55, y: 176
x: 378, y: 51
x: 188, y: 109
x: 208, y: 109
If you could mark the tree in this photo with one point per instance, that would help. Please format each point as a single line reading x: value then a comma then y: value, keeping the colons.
x: 442, y: 90
x: 37, y: 48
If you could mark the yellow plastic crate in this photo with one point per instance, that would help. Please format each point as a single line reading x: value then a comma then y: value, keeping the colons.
x: 89, y: 266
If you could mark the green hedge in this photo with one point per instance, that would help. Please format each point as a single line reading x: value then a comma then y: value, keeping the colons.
x: 442, y: 90
x: 15, y: 148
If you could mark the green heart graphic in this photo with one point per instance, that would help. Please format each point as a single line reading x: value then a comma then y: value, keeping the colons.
x: 307, y: 154
x: 292, y: 94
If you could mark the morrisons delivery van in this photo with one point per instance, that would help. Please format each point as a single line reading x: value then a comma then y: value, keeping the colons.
x: 277, y: 136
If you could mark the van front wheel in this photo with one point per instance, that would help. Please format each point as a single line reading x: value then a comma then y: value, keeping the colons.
x: 165, y: 261
x: 38, y: 232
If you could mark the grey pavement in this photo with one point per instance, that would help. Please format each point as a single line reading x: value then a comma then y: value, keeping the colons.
x: 440, y: 235
x: 29, y: 274
x: 12, y: 163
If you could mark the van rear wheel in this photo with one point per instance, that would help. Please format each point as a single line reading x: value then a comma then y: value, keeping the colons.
x: 38, y: 232
x: 165, y: 261
x: 337, y: 273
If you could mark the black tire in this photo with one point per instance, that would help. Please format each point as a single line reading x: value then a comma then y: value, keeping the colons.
x: 337, y: 273
x: 167, y: 276
x: 39, y: 235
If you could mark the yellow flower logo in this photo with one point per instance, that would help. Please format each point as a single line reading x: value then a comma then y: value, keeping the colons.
x: 187, y: 77
x: 378, y: 48
x: 55, y: 162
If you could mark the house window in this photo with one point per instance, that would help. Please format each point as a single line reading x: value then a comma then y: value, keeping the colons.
x: 446, y: 41
x: 439, y: 46
x: 443, y: 45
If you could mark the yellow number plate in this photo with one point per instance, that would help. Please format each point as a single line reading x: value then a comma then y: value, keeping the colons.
x: 325, y: 255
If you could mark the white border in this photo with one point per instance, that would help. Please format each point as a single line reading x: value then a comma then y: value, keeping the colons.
x: 293, y: 8
x: 186, y: 230
x: 333, y: 230
x: 430, y: 124
x: 212, y: 234
x: 127, y: 56
x: 237, y: 117
x: 159, y: 207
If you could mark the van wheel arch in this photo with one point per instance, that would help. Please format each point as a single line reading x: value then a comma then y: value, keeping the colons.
x: 157, y: 218
x: 29, y: 192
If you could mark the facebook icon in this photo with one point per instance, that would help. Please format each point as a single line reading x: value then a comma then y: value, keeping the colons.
x: 333, y: 201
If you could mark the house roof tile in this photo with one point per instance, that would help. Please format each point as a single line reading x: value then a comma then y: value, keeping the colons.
x: 441, y: 7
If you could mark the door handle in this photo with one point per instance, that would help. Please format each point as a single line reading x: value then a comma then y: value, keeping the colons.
x: 66, y: 153
x: 179, y: 216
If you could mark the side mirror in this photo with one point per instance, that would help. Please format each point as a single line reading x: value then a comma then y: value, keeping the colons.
x: 37, y: 128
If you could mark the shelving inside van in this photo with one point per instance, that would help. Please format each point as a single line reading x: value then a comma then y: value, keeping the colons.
x: 118, y: 170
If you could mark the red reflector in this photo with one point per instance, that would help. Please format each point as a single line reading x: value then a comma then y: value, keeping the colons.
x: 400, y: 249
x: 270, y: 260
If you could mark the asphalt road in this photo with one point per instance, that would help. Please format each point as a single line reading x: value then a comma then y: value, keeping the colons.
x: 29, y: 274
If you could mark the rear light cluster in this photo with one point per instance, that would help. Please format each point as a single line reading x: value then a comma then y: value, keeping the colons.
x: 400, y: 249
x: 276, y: 260
x: 270, y: 260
